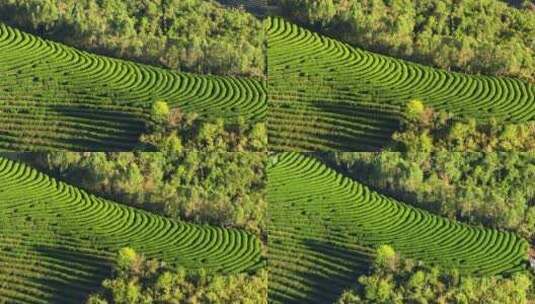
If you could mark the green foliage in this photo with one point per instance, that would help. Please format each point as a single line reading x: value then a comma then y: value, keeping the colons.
x: 151, y: 281
x: 415, y: 282
x: 473, y: 36
x: 492, y: 189
x: 324, y: 228
x: 160, y: 111
x: 385, y: 257
x: 439, y: 131
x: 175, y: 132
x: 415, y: 109
x: 219, y: 188
x: 126, y: 258
x: 195, y: 35
x: 258, y: 139
x: 60, y: 241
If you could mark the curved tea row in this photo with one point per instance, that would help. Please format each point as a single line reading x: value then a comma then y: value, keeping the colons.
x: 327, y: 95
x: 57, y: 97
x: 324, y: 227
x: 57, y: 242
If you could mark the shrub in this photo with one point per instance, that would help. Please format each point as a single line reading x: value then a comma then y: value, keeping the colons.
x: 160, y: 111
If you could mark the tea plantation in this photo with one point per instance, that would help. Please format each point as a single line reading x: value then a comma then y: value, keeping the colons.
x: 57, y: 243
x: 328, y: 95
x: 324, y: 229
x: 57, y: 97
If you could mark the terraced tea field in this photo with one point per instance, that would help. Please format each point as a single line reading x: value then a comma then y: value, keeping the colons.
x: 57, y: 97
x: 328, y: 95
x: 57, y: 242
x: 324, y: 228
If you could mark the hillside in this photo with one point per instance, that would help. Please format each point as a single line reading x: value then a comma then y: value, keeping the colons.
x: 324, y: 228
x: 328, y: 95
x: 57, y: 97
x: 198, y: 36
x: 59, y: 242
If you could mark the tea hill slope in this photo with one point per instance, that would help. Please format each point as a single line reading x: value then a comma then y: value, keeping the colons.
x: 57, y: 243
x: 325, y: 227
x: 328, y: 95
x: 57, y: 97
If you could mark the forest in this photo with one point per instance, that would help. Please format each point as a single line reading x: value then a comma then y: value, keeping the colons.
x: 138, y: 280
x: 173, y: 131
x: 400, y: 228
x: 394, y: 279
x: 425, y: 129
x: 490, y: 191
x: 328, y: 95
x: 484, y: 189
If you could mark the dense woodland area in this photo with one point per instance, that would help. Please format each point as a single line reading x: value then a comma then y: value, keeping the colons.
x: 227, y: 189
x: 473, y: 36
x: 463, y: 169
x: 394, y: 279
x: 139, y: 280
x: 193, y: 35
x: 424, y: 129
x: 172, y: 131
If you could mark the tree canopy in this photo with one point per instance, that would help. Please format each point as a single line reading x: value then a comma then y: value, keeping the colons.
x: 171, y: 131
x: 425, y: 130
x: 409, y: 281
x: 140, y: 280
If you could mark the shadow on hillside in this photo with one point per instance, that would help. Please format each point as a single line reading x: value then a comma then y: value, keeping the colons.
x: 326, y: 286
x: 379, y: 117
x: 68, y: 285
x: 122, y: 128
